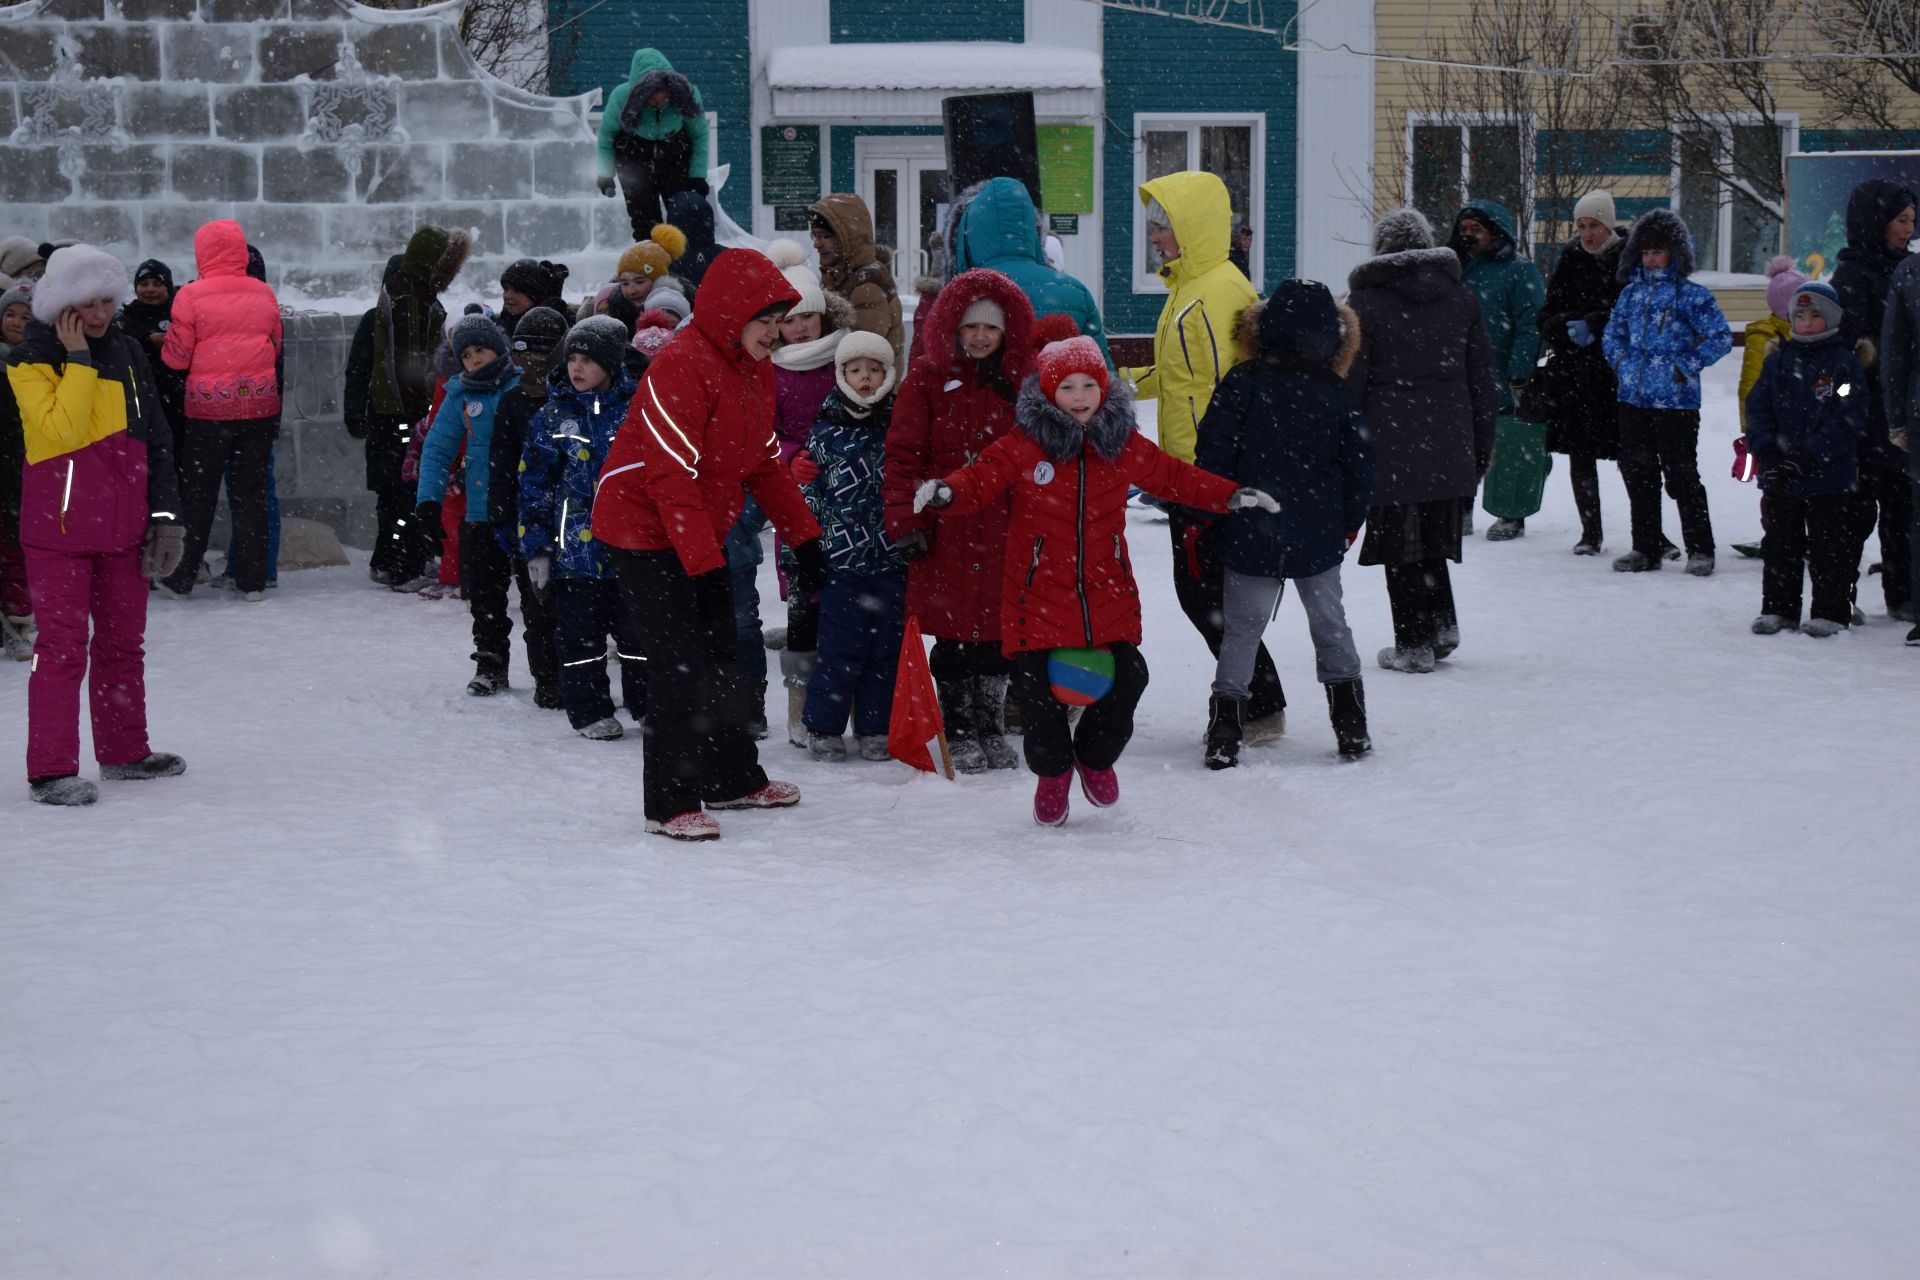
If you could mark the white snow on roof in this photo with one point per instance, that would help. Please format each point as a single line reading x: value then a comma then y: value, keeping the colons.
x: 933, y: 66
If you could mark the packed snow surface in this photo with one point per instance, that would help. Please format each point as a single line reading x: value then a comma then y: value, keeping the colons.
x: 1604, y: 964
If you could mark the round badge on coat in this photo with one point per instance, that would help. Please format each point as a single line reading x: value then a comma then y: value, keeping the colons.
x: 473, y: 408
x: 1043, y: 473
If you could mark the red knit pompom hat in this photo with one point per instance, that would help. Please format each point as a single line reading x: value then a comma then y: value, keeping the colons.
x: 1074, y: 355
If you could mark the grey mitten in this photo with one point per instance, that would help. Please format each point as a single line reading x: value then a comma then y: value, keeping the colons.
x: 540, y: 572
x: 160, y: 553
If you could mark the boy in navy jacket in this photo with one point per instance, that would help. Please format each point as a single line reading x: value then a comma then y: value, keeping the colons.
x: 1806, y: 417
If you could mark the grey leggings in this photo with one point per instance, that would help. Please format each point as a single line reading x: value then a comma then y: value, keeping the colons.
x: 1250, y: 604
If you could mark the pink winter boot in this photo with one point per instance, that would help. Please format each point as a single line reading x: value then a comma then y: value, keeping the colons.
x: 1051, y: 797
x: 1101, y: 787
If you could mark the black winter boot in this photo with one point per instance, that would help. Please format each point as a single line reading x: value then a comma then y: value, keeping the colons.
x: 989, y: 711
x: 757, y: 713
x: 1347, y: 708
x: 489, y: 675
x: 956, y: 713
x: 1226, y: 721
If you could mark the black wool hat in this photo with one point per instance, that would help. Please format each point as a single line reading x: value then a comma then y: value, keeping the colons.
x: 154, y: 269
x: 601, y: 339
x: 539, y: 280
x: 540, y: 330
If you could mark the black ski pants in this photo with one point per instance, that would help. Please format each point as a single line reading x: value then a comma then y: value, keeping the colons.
x: 1052, y: 743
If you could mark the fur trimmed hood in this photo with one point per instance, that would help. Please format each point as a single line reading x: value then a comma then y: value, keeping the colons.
x: 1666, y: 224
x: 1252, y: 339
x: 1391, y: 268
x: 452, y: 258
x: 1061, y: 438
x: 940, y: 349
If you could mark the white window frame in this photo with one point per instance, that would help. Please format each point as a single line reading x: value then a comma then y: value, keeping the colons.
x: 1529, y: 140
x: 1192, y: 122
x: 1789, y: 143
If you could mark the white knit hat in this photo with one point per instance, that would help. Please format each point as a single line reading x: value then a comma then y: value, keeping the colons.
x: 1597, y: 205
x: 76, y: 274
x: 985, y: 311
x: 857, y: 344
x: 792, y: 261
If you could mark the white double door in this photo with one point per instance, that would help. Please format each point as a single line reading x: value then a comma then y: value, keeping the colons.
x: 904, y: 181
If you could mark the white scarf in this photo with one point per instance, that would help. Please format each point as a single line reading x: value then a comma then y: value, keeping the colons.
x: 804, y: 357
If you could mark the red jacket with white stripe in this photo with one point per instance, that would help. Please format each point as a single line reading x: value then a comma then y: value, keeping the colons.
x: 698, y: 435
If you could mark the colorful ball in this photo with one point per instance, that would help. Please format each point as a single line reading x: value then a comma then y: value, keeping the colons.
x: 1080, y: 677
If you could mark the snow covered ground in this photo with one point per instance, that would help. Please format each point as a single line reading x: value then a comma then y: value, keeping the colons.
x: 1603, y: 965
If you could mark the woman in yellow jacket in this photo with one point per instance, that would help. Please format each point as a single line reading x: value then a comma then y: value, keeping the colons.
x: 1190, y: 224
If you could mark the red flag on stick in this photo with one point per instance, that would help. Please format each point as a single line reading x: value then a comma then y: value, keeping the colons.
x: 915, y: 735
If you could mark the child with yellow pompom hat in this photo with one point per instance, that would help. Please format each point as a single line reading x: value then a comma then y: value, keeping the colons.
x: 646, y: 264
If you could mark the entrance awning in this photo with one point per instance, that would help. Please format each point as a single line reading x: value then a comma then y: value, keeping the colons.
x: 894, y: 81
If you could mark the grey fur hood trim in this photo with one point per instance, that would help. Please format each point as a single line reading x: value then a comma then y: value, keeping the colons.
x: 1389, y: 267
x: 1670, y: 225
x: 679, y: 95
x: 1060, y: 437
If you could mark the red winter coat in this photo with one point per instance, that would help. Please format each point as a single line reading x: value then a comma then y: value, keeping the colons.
x: 1068, y: 579
x: 699, y: 428
x: 946, y: 414
x: 226, y: 332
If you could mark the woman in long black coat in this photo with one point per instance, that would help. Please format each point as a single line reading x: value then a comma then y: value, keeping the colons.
x: 1425, y: 378
x: 1578, y: 385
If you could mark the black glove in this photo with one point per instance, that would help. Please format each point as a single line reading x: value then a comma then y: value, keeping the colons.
x: 1784, y: 470
x: 1482, y: 463
x: 357, y: 428
x: 431, y: 535
x: 700, y: 185
x: 912, y: 545
x: 809, y: 567
x: 606, y: 186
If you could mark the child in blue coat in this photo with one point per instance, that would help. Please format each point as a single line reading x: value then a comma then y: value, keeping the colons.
x: 1806, y: 417
x: 1664, y: 331
x: 467, y: 417
x: 863, y: 606
x: 566, y: 446
x: 1282, y: 421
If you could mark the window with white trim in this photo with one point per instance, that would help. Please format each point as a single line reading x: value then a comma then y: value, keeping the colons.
x: 1453, y: 160
x: 1731, y: 232
x: 1232, y: 147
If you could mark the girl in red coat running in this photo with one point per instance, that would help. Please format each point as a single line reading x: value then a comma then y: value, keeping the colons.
x: 955, y: 402
x: 1068, y: 580
x: 698, y: 437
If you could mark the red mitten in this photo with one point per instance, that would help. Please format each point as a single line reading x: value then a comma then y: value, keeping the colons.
x: 1190, y: 545
x: 1353, y: 538
x: 804, y: 469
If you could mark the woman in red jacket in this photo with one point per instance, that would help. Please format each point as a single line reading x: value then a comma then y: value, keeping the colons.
x: 226, y: 338
x: 698, y: 437
x: 1068, y: 581
x: 956, y: 401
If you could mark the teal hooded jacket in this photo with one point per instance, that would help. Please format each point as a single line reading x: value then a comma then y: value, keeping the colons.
x: 1000, y: 230
x: 654, y: 123
x: 1509, y: 289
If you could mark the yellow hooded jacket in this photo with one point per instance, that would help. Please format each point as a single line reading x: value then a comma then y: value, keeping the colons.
x: 1193, y: 344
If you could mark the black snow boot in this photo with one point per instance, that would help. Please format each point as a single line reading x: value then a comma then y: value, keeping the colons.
x: 489, y: 675
x: 989, y: 711
x: 956, y: 713
x: 757, y: 711
x: 1347, y: 708
x: 546, y: 695
x: 1226, y: 721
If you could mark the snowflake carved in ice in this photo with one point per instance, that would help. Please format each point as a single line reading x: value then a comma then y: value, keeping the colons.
x: 50, y: 111
x: 351, y: 114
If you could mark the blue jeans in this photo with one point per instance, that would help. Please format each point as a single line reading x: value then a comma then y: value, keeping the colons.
x: 273, y: 522
x: 743, y: 562
x: 862, y: 619
x: 585, y: 612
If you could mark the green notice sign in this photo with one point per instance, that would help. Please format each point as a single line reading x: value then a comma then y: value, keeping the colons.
x: 789, y: 163
x: 1066, y: 167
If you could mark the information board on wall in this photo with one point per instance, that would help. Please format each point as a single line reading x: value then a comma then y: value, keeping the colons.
x: 789, y: 164
x: 1066, y: 167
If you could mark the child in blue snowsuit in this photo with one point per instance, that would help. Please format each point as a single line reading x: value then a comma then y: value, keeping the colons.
x: 1664, y: 331
x: 863, y: 606
x: 1806, y: 418
x: 567, y: 444
x: 466, y: 417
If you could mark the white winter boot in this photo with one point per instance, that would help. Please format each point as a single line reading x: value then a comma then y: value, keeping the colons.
x: 20, y: 635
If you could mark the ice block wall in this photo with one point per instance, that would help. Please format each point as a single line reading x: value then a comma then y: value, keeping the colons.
x: 329, y: 130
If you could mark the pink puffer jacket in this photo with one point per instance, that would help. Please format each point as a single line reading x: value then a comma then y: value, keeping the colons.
x: 226, y: 332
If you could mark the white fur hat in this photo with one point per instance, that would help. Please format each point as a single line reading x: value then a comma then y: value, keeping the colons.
x: 76, y: 274
x: 857, y: 344
x: 792, y: 261
x: 985, y: 311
